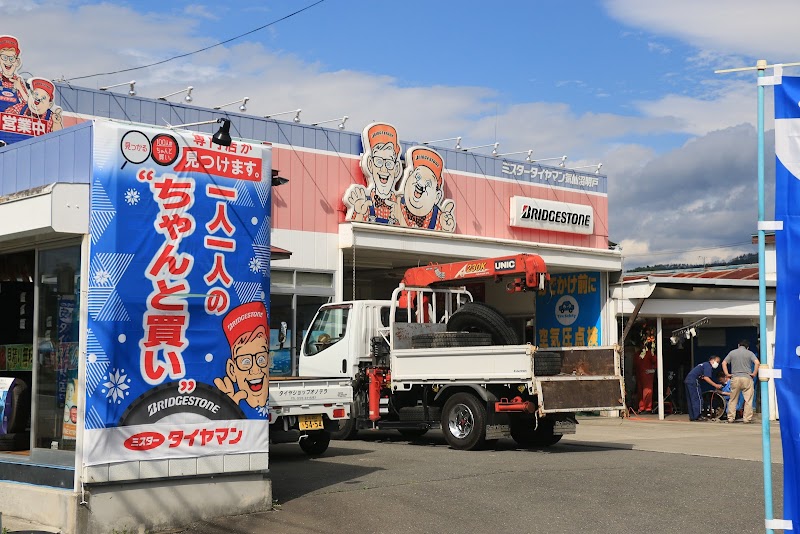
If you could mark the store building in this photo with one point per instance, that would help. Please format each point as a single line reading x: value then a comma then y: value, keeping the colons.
x: 324, y: 246
x: 693, y: 314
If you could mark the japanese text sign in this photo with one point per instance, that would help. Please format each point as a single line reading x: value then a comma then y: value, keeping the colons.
x: 178, y: 296
x: 568, y: 311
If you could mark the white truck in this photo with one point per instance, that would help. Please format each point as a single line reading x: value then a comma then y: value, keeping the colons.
x: 433, y: 358
x: 308, y: 409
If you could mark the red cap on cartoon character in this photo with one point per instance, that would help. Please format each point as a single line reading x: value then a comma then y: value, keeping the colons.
x: 45, y: 85
x: 383, y: 133
x: 425, y: 157
x: 7, y: 41
x: 243, y: 319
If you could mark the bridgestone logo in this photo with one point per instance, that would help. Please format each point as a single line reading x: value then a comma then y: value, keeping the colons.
x: 245, y: 316
x: 555, y: 216
x: 182, y: 400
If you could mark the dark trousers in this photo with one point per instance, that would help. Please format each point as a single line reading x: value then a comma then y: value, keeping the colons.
x: 693, y: 399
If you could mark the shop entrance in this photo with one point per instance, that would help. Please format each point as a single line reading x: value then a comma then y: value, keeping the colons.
x: 17, y: 272
x: 39, y: 299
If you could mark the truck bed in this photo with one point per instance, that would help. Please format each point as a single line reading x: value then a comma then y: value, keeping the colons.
x: 298, y: 395
x: 590, y: 378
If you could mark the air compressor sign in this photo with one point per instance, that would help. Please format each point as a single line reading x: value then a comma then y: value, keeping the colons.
x: 568, y: 313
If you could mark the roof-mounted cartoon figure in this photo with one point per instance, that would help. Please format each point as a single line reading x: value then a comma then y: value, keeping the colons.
x: 423, y: 204
x: 13, y: 91
x: 382, y: 169
x: 40, y: 105
x: 419, y: 200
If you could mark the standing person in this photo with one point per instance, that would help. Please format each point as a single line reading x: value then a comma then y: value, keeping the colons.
x: 701, y: 371
x: 743, y: 369
x: 645, y: 373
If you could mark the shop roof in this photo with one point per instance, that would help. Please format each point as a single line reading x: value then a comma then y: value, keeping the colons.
x: 741, y: 275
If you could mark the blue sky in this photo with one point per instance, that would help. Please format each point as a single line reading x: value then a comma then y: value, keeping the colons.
x: 623, y: 82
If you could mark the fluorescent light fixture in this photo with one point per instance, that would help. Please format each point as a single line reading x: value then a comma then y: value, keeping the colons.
x: 131, y: 91
x: 561, y: 164
x: 494, y: 149
x: 341, y: 120
x: 188, y: 92
x: 597, y: 167
x: 295, y: 111
x: 456, y: 139
x: 242, y: 108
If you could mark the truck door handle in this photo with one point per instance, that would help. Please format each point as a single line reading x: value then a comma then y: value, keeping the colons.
x: 344, y: 366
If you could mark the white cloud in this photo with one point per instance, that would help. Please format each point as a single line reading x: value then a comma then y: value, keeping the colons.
x: 766, y: 28
x: 200, y: 11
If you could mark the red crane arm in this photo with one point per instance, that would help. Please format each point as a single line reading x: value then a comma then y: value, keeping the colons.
x: 529, y: 265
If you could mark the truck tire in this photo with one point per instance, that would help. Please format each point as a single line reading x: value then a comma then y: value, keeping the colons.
x: 347, y: 429
x: 523, y: 432
x: 546, y: 363
x: 480, y: 317
x: 316, y: 442
x: 450, y: 339
x: 464, y: 422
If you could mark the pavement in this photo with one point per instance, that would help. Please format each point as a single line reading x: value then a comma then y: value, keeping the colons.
x: 677, y: 435
x: 633, y: 455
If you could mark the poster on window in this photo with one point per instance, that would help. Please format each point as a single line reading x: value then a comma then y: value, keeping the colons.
x: 568, y: 311
x: 178, y: 337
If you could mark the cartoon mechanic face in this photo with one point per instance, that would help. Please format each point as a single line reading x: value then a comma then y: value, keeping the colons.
x: 421, y: 191
x: 39, y: 101
x: 248, y: 366
x: 9, y: 62
x: 384, y: 169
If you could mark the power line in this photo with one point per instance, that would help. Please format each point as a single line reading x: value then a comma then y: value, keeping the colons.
x: 667, y: 252
x: 187, y: 54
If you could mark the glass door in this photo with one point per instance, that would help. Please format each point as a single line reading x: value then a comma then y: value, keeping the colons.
x: 56, y: 401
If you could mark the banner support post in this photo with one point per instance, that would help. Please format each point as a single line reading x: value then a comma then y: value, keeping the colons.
x: 761, y: 65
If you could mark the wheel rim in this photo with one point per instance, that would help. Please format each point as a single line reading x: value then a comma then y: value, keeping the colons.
x: 461, y: 421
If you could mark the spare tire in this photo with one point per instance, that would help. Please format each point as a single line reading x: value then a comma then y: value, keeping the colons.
x: 480, y: 317
x: 546, y: 363
x: 451, y: 339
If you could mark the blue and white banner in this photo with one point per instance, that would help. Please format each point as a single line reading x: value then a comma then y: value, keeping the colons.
x: 178, y: 338
x: 787, y: 301
x: 568, y: 313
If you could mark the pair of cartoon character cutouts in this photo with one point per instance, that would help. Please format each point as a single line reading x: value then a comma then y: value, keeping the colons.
x: 419, y: 200
x: 34, y: 100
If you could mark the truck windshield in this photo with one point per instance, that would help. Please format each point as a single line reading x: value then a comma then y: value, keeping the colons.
x: 328, y: 328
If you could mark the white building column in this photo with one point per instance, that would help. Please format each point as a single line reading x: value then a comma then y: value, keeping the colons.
x: 660, y: 368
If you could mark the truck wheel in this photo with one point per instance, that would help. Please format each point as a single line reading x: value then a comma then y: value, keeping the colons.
x: 412, y: 433
x: 479, y: 317
x: 464, y: 422
x: 522, y: 431
x: 347, y: 429
x: 450, y: 339
x: 315, y: 443
x: 546, y: 363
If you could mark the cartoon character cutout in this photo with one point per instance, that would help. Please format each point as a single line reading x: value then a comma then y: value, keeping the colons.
x: 382, y: 168
x: 40, y: 105
x: 247, y: 370
x: 13, y: 89
x: 422, y: 204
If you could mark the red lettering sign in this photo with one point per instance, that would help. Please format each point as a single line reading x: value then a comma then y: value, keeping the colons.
x: 217, y: 163
x: 144, y: 441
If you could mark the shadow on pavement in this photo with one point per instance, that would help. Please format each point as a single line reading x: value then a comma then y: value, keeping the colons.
x: 435, y: 438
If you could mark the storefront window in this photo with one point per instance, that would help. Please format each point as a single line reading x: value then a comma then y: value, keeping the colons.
x: 280, y: 335
x: 57, y: 357
x: 16, y: 349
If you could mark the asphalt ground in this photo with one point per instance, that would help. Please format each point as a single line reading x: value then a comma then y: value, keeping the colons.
x: 383, y: 483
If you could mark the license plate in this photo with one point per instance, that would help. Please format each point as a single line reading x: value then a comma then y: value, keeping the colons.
x: 564, y: 427
x: 310, y: 422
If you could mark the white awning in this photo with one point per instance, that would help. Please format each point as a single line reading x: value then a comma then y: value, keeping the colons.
x: 59, y: 208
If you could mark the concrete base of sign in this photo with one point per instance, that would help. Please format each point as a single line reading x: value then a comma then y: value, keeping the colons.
x: 138, y: 506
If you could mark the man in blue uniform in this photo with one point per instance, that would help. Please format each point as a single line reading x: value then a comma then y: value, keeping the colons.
x: 702, y: 371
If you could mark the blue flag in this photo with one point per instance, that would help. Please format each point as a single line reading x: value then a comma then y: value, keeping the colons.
x: 787, y: 335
